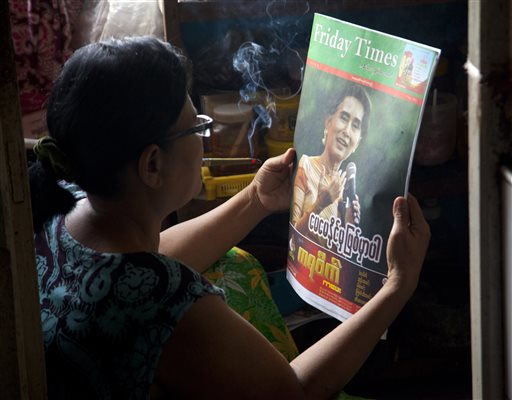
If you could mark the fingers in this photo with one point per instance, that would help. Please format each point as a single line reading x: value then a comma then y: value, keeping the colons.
x: 401, y: 213
x: 283, y: 159
x: 357, y: 211
x: 408, y: 216
x: 407, y: 244
x: 356, y: 206
x: 287, y: 157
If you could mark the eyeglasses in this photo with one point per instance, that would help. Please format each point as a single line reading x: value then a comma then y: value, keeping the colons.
x: 202, y: 128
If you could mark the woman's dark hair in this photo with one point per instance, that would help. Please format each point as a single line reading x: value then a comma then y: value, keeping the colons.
x: 111, y: 100
x: 360, y: 94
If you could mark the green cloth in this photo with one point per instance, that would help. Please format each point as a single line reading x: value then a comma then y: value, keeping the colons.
x: 247, y: 289
x: 247, y: 292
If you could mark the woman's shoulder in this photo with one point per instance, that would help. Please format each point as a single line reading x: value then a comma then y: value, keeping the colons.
x: 309, y: 166
x: 308, y: 161
x: 136, y: 275
x: 159, y: 281
x: 304, y: 159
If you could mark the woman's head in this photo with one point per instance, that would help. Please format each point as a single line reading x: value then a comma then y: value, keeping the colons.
x: 347, y: 122
x: 111, y: 100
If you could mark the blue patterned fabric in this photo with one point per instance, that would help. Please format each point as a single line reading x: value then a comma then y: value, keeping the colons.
x: 106, y: 316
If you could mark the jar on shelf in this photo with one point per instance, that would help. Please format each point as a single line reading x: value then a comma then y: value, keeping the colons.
x: 234, y: 135
x: 283, y: 122
x: 276, y: 147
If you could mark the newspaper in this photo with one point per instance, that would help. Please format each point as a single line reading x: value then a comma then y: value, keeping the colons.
x: 361, y: 105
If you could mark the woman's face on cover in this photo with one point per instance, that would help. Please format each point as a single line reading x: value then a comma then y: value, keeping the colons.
x: 344, y: 128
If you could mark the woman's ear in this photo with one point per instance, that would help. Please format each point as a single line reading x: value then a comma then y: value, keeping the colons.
x: 150, y: 166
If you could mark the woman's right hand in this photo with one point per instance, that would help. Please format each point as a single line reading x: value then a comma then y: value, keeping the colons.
x: 407, y: 244
x: 330, y: 188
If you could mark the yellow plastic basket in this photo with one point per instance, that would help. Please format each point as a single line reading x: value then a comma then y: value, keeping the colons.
x: 224, y: 186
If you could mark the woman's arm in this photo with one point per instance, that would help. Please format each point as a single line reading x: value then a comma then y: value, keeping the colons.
x: 201, y: 241
x: 342, y: 352
x: 214, y: 353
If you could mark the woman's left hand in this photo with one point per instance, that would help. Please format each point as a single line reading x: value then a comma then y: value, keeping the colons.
x: 353, y: 212
x: 272, y: 184
x: 356, y: 209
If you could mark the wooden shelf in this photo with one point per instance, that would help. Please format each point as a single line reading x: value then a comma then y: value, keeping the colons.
x: 197, y: 10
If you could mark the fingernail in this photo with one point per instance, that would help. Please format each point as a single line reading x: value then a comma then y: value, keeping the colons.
x: 400, y: 205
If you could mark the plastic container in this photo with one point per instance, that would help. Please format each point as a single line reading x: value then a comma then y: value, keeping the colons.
x: 283, y: 122
x: 234, y: 135
x: 438, y: 132
x: 231, y: 130
x: 276, y: 147
x: 223, y: 186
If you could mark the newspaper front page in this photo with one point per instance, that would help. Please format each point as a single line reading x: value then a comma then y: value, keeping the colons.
x: 361, y: 105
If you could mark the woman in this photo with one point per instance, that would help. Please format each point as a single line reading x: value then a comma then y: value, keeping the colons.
x: 125, y: 311
x: 320, y: 181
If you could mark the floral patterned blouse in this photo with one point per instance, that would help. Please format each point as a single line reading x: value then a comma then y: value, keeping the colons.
x: 107, y: 316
